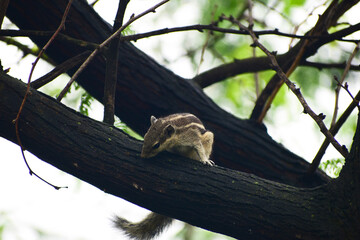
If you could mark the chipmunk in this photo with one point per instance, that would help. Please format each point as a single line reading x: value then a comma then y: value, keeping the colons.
x: 183, y: 134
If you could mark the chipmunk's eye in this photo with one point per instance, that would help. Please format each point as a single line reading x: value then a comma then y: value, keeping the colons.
x: 156, y: 146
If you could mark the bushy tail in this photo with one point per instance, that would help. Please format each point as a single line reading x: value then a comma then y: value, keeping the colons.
x: 148, y: 228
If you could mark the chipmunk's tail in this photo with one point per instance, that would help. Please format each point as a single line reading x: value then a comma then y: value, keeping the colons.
x: 147, y: 229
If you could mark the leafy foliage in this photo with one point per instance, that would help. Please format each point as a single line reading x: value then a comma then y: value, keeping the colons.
x: 333, y: 166
x: 85, y: 103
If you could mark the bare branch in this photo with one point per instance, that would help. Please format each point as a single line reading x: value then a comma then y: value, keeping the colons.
x: 47, y: 34
x: 326, y: 20
x: 317, y: 117
x: 59, y: 69
x: 346, y: 87
x: 333, y: 130
x: 239, y: 66
x: 340, y: 82
x: 320, y: 65
x: 103, y: 44
x: 214, y: 28
x: 16, y: 121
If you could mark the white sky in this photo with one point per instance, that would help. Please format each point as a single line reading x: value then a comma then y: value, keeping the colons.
x: 82, y: 211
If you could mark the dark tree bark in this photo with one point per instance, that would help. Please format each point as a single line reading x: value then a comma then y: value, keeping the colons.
x: 145, y: 88
x: 215, y: 198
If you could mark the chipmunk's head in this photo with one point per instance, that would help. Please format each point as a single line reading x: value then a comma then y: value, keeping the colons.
x: 155, y: 140
x: 170, y: 133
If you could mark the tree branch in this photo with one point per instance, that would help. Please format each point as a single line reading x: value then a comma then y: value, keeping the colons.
x: 214, y: 28
x: 317, y: 117
x: 46, y: 34
x: 60, y: 69
x: 16, y: 120
x: 111, y: 67
x: 221, y: 200
x: 249, y: 65
x: 340, y: 82
x: 321, y: 66
x: 326, y: 20
x: 103, y: 45
x: 333, y: 130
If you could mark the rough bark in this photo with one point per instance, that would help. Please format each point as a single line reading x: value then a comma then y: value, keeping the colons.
x: 219, y: 199
x: 145, y: 88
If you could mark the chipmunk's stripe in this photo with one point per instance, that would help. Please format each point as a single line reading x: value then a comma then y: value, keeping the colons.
x: 182, y: 119
x: 196, y: 126
x: 176, y: 116
x: 183, y: 122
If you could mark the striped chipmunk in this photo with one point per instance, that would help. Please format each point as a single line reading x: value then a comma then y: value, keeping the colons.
x: 180, y: 133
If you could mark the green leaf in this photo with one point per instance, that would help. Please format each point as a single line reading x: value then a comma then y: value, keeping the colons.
x: 333, y: 166
x: 85, y: 103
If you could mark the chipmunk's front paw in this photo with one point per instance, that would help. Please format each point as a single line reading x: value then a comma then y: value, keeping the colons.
x: 209, y: 162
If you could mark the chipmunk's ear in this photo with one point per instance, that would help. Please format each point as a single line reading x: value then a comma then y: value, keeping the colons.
x: 153, y: 120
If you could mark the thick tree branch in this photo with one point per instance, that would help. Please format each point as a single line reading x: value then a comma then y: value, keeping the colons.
x: 221, y: 200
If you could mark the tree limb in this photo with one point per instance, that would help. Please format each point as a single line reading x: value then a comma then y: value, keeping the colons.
x: 221, y: 200
x: 47, y: 34
x: 310, y: 47
x: 112, y: 67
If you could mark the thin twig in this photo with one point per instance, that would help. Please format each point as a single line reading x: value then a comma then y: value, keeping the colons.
x: 346, y: 87
x: 60, y: 69
x: 317, y: 117
x: 209, y: 33
x: 251, y: 24
x: 198, y: 27
x: 291, y: 69
x: 103, y: 44
x: 325, y: 21
x: 16, y: 121
x: 46, y: 34
x: 296, y: 28
x: 321, y: 66
x: 340, y: 82
x: 279, y: 84
x: 334, y: 130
